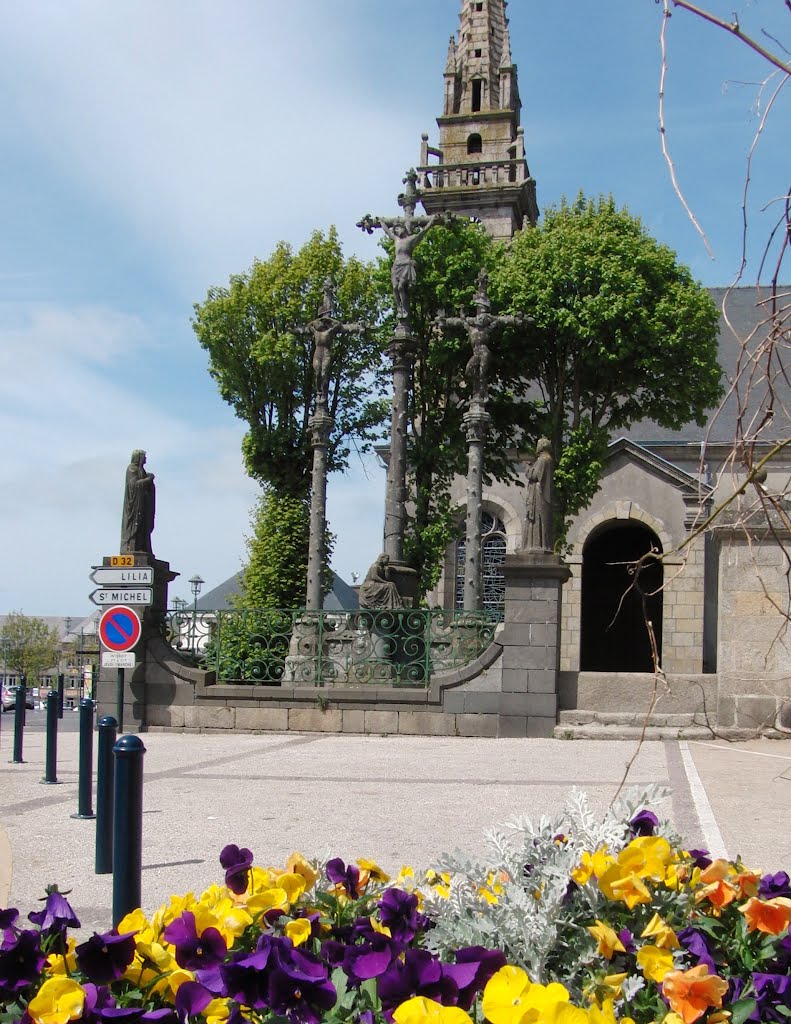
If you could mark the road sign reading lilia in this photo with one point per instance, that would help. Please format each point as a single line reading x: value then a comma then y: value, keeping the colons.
x: 569, y: 921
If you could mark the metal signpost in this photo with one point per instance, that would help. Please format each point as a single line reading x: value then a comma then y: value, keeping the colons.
x: 119, y: 631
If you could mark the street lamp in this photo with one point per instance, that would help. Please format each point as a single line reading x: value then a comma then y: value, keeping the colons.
x: 195, y: 583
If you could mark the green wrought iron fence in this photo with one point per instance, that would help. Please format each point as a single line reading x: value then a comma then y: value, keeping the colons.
x: 403, y: 647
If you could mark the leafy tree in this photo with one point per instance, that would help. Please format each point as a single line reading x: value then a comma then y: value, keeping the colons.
x: 449, y: 260
x: 276, y: 571
x: 621, y: 333
x: 29, y: 646
x: 260, y: 354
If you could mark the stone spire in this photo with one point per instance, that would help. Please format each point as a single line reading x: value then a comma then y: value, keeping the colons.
x: 482, y: 171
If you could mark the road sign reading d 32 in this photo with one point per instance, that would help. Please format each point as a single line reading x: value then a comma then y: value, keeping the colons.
x: 119, y: 628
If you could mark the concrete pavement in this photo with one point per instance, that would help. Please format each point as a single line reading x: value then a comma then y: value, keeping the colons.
x: 396, y: 799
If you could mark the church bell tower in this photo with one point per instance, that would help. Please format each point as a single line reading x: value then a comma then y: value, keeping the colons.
x: 479, y: 168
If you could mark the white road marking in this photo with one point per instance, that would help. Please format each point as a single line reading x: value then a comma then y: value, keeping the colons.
x: 708, y: 823
x: 740, y: 750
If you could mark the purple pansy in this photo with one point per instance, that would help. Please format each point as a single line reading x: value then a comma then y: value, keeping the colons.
x: 773, y: 997
x: 104, y: 958
x: 133, y: 1014
x: 700, y: 858
x: 486, y: 963
x: 299, y: 984
x: 244, y: 978
x: 627, y: 940
x: 56, y: 916
x: 398, y: 911
x: 348, y: 877
x: 772, y: 886
x: 237, y: 862
x: 195, y: 952
x: 191, y: 999
x: 419, y: 974
x: 643, y: 823
x: 696, y: 943
x: 8, y: 919
x: 21, y: 964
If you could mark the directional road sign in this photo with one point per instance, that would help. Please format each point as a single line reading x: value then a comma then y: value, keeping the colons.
x: 123, y: 577
x: 123, y: 595
x: 119, y: 628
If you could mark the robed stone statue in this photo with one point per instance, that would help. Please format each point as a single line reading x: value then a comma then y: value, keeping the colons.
x: 538, y: 534
x: 137, y: 522
x: 377, y: 589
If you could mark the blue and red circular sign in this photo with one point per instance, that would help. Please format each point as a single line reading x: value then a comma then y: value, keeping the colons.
x: 119, y: 628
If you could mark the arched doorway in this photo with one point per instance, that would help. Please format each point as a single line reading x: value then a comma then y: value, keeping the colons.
x: 614, y: 637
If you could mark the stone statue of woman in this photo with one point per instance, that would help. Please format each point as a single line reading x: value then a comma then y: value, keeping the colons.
x: 378, y: 590
x: 137, y: 522
x: 538, y: 533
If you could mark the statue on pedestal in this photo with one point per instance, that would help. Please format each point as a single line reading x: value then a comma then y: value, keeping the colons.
x: 137, y: 522
x: 323, y: 330
x: 538, y: 534
x: 377, y: 589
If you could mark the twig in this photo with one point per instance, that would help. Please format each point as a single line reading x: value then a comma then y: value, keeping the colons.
x: 735, y: 29
x: 663, y: 134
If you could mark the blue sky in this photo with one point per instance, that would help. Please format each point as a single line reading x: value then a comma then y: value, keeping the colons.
x: 151, y: 149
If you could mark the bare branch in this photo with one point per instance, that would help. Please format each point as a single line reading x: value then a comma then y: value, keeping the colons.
x: 663, y: 134
x: 735, y: 29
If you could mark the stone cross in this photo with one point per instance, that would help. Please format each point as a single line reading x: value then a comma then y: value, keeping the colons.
x: 406, y: 232
x: 479, y: 327
x: 323, y: 330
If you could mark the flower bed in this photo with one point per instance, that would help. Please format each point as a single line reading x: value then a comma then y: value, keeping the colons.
x: 568, y: 921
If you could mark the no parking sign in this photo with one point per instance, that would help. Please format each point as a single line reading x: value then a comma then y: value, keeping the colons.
x: 119, y: 628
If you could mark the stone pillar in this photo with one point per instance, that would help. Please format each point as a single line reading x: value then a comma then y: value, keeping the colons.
x: 321, y: 426
x: 476, y: 424
x: 152, y: 618
x: 402, y: 351
x: 531, y: 643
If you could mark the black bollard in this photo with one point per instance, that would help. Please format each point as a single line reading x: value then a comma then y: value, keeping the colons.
x: 128, y: 827
x: 19, y: 723
x: 85, y: 783
x: 105, y: 793
x: 61, y: 685
x: 51, y: 768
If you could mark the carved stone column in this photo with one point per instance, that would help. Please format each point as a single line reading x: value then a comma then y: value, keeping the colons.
x: 476, y: 424
x: 402, y: 351
x: 321, y: 425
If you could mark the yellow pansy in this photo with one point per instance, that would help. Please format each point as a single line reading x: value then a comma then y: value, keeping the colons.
x: 298, y: 931
x: 297, y: 865
x: 176, y: 907
x: 136, y: 921
x: 406, y: 877
x: 654, y: 962
x: 217, y: 1012
x: 58, y: 1001
x: 647, y: 857
x: 65, y: 964
x: 382, y: 929
x: 260, y: 879
x: 421, y: 1010
x: 175, y: 980
x: 561, y: 1013
x: 660, y: 931
x: 607, y: 941
x: 600, y: 990
x: 511, y: 998
x: 266, y: 900
x: 627, y: 887
x: 151, y: 965
x: 229, y: 919
x: 370, y: 871
x: 439, y: 882
x: 592, y: 864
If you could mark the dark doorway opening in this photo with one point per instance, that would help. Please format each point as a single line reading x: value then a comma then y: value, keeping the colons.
x: 614, y: 637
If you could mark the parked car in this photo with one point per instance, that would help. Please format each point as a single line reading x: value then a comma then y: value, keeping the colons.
x: 9, y: 697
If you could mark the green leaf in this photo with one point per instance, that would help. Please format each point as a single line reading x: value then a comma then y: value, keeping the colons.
x: 742, y: 1009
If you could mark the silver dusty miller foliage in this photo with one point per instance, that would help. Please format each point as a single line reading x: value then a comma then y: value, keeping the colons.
x: 536, y: 922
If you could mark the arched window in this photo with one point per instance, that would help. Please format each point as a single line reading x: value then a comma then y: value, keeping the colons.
x: 474, y: 144
x: 615, y: 605
x: 492, y: 558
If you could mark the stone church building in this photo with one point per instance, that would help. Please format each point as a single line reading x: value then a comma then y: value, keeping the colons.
x: 658, y: 485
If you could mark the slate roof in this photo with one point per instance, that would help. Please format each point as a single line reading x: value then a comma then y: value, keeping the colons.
x: 745, y: 316
x: 342, y: 596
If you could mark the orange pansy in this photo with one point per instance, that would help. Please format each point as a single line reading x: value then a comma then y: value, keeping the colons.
x: 770, y: 916
x: 691, y: 993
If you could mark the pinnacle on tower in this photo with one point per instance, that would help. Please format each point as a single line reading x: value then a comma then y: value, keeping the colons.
x: 481, y: 170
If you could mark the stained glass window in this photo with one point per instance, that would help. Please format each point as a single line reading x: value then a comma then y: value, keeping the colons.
x: 492, y: 557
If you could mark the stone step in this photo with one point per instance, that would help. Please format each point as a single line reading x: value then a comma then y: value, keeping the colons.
x: 597, y: 731
x: 636, y: 719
